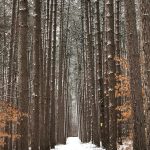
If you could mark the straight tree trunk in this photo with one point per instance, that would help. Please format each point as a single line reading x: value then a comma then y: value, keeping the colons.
x: 118, y: 67
x: 105, y: 74
x: 61, y: 104
x: 23, y: 72
x: 42, y: 83
x: 83, y: 120
x: 111, y: 74
x: 135, y: 76
x: 100, y: 54
x: 48, y: 85
x: 145, y: 19
x: 36, y: 64
x: 94, y: 137
x: 10, y: 65
x: 53, y: 99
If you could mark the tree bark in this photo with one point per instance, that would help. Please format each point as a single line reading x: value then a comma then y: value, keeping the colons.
x: 135, y: 76
x: 23, y: 73
x: 53, y: 96
x: 110, y: 47
x: 145, y: 20
x: 36, y: 72
x: 61, y: 111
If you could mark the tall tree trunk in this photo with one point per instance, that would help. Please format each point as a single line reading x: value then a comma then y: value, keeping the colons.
x: 10, y: 65
x: 42, y: 82
x: 90, y: 55
x: 135, y: 76
x: 111, y: 74
x: 145, y: 19
x: 100, y: 75
x: 23, y: 73
x: 61, y: 124
x: 53, y: 95
x: 118, y: 67
x: 36, y: 88
x: 48, y: 86
x: 105, y: 74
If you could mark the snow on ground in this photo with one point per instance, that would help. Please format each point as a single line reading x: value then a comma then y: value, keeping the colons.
x: 74, y: 143
x: 127, y: 145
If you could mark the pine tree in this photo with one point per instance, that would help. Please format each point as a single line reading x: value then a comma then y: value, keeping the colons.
x: 23, y: 72
x: 53, y: 98
x: 36, y: 86
x: 110, y: 47
x: 61, y: 104
x: 145, y: 20
x: 135, y: 76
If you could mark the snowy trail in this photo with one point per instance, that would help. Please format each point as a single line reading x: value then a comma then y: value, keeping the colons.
x: 74, y: 143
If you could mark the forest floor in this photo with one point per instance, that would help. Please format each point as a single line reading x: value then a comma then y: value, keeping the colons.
x: 74, y: 143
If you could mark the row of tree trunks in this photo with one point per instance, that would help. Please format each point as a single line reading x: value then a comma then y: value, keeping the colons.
x: 110, y: 127
x: 38, y: 81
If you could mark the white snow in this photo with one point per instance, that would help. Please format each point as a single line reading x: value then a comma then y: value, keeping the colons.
x: 127, y: 145
x: 74, y: 143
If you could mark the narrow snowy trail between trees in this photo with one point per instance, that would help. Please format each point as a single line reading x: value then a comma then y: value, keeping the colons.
x: 74, y: 143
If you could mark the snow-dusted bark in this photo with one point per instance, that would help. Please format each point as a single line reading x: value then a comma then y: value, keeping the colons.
x: 135, y: 76
x: 110, y: 47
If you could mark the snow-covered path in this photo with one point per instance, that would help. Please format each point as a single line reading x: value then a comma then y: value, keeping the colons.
x: 74, y: 143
